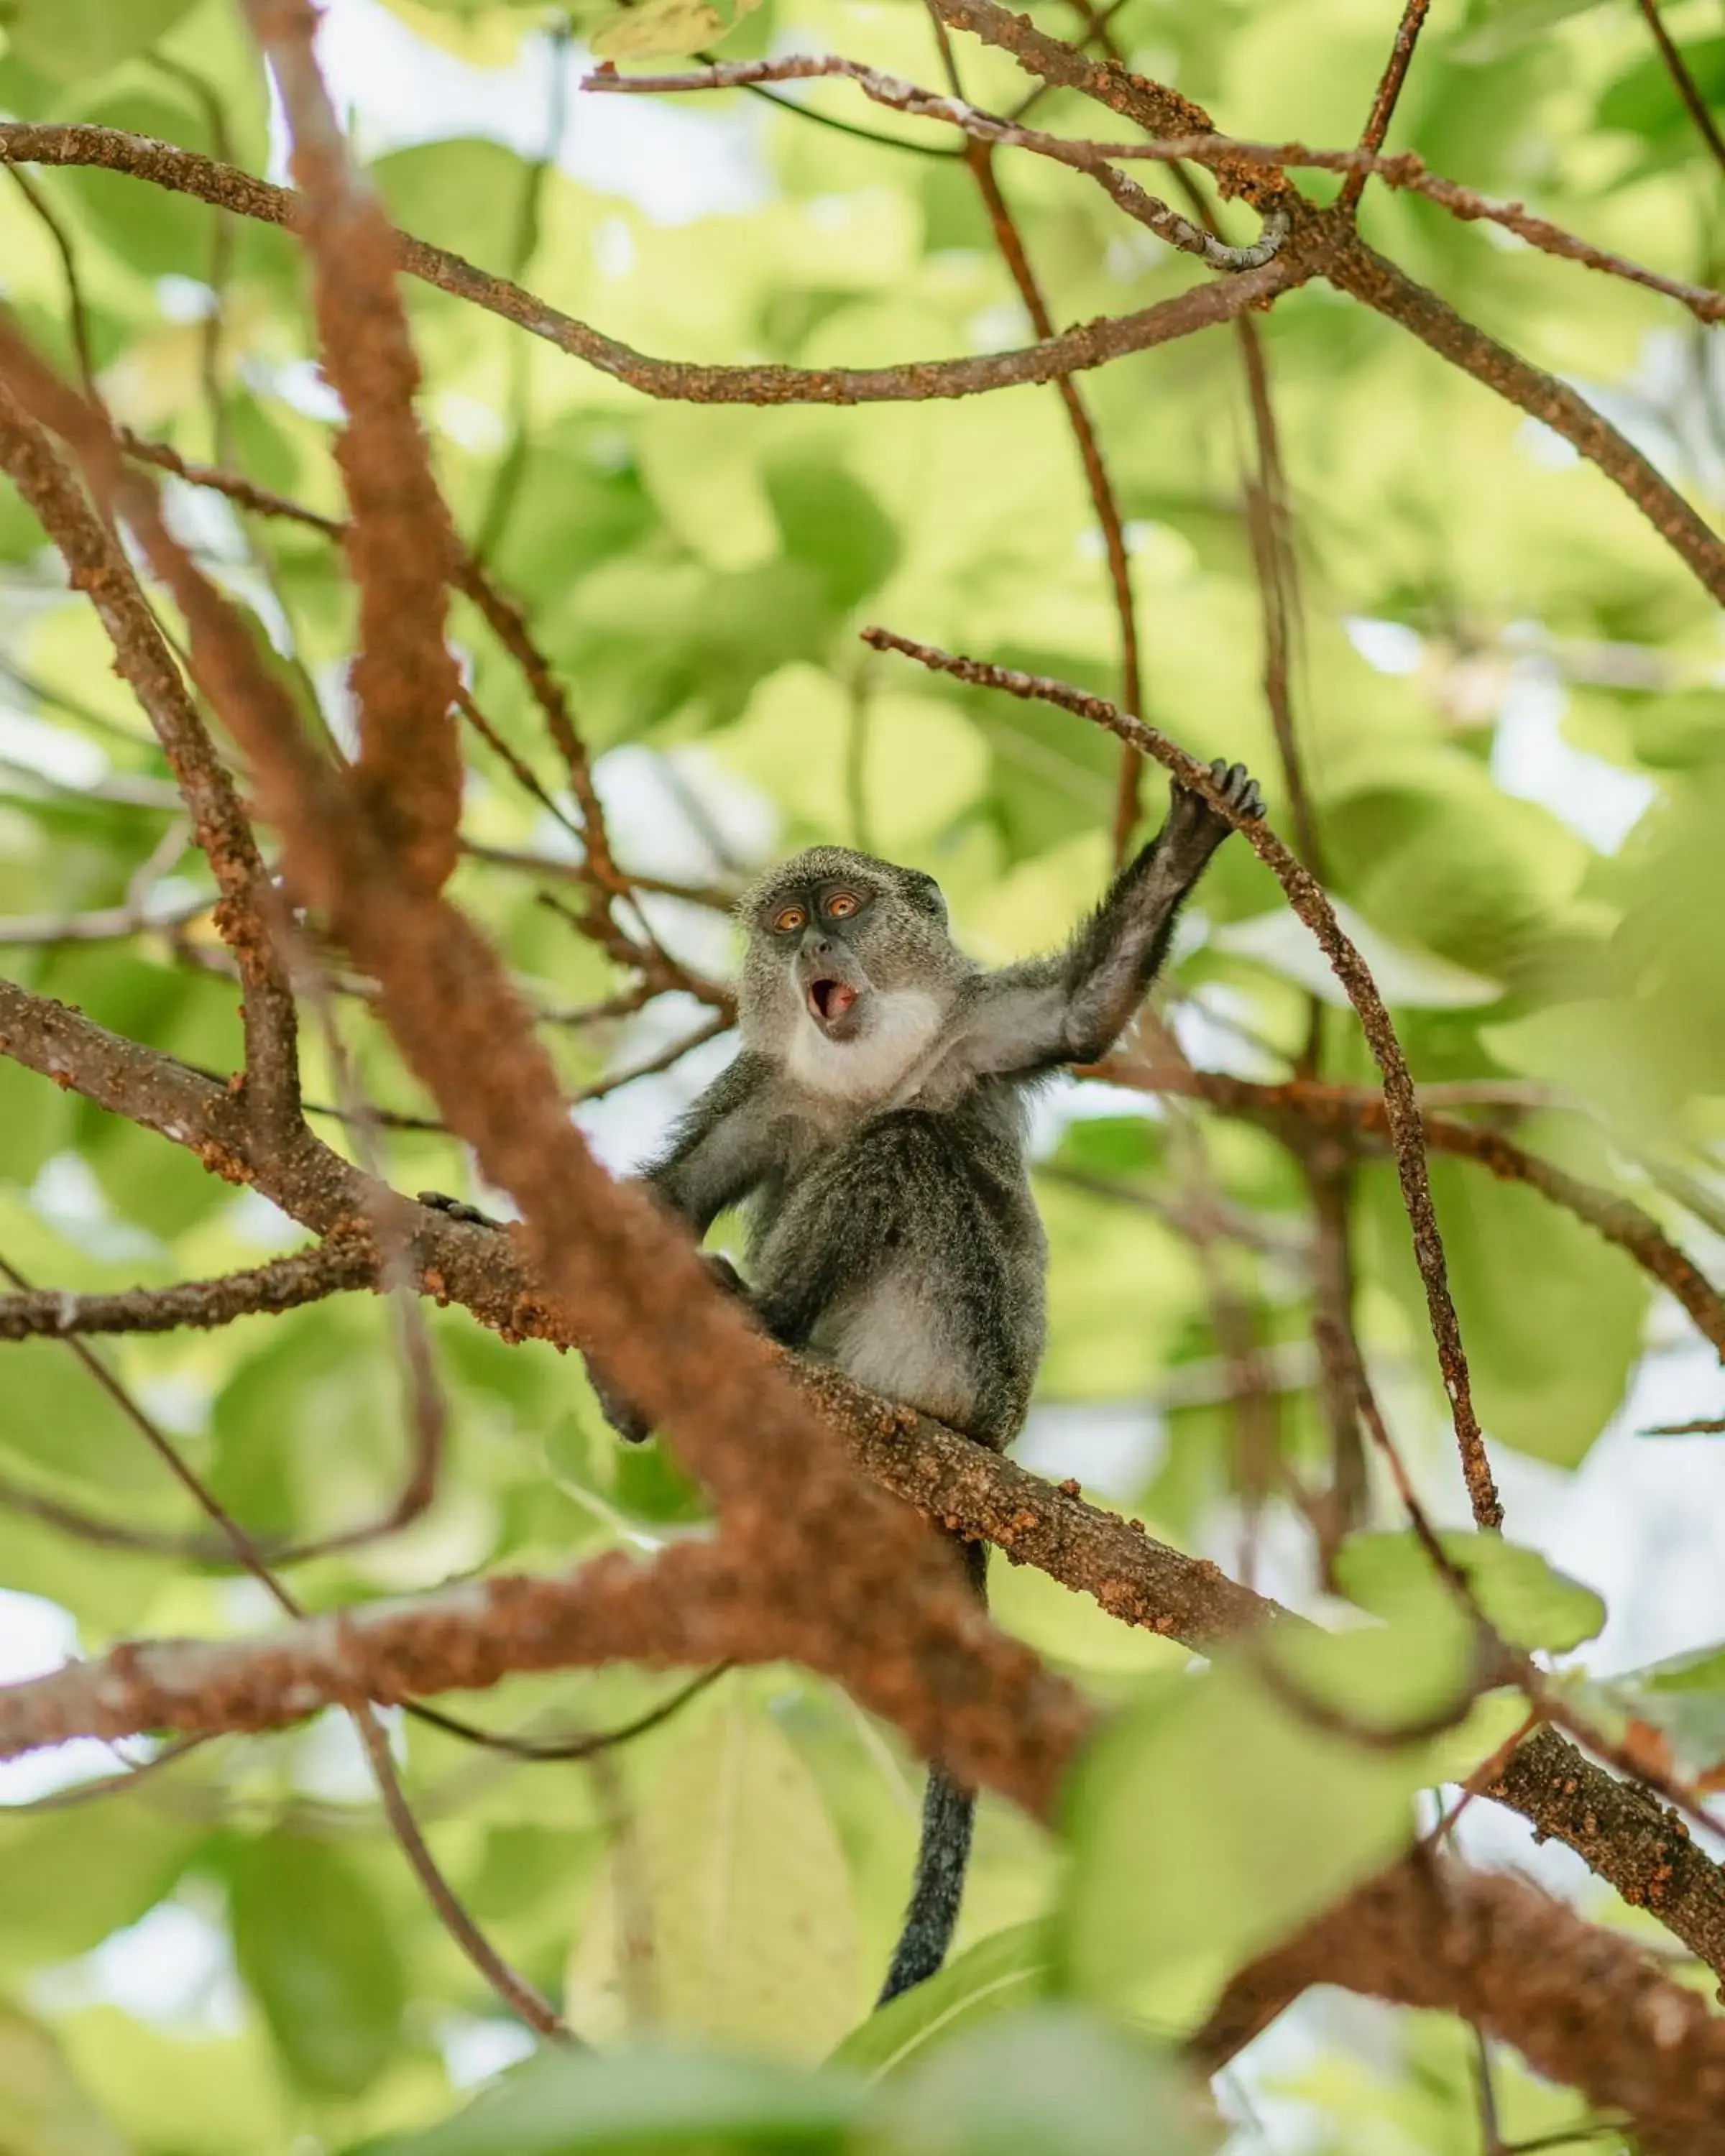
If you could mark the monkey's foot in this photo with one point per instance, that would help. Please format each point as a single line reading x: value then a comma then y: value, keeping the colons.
x: 439, y: 1201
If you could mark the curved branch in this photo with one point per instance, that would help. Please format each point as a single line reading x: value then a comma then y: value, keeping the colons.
x: 1091, y: 344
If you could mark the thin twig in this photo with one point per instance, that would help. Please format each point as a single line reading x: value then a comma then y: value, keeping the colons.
x: 1694, y: 104
x: 77, y: 313
x: 1388, y: 90
x: 902, y: 96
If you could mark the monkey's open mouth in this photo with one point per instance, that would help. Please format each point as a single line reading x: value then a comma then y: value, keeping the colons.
x: 829, y: 1000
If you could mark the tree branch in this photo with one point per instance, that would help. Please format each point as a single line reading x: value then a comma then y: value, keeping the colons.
x: 97, y: 565
x: 1584, y: 2005
x: 400, y: 542
x: 1091, y: 344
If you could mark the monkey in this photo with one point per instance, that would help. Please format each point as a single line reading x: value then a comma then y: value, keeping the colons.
x: 874, y: 1124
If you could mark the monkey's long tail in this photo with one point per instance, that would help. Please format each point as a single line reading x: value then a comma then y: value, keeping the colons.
x: 942, y: 1855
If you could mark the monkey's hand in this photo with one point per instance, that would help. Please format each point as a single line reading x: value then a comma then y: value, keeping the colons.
x: 1193, y: 829
x: 631, y: 1426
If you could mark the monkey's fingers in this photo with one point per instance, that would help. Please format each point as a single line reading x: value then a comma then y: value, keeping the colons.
x: 1238, y: 789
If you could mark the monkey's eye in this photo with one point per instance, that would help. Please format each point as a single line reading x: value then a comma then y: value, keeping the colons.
x: 792, y: 917
x: 841, y: 905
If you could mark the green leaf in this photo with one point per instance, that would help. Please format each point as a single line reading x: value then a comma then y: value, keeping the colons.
x: 67, y: 1889
x: 830, y: 520
x: 740, y: 1880
x: 1529, y: 1601
x: 995, y: 1976
x: 657, y: 29
x: 1044, y: 2081
x: 1181, y: 1870
x: 1495, y: 28
x: 1552, y: 1314
x: 318, y: 1956
x: 460, y: 192
x: 1645, y: 102
x: 653, y: 2099
x: 47, y: 2112
x: 71, y: 40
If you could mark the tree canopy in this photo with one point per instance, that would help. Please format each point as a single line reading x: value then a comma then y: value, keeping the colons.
x: 433, y: 580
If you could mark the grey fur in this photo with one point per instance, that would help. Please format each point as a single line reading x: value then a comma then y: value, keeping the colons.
x: 874, y: 1123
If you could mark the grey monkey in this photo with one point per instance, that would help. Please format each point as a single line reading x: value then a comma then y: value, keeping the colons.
x: 873, y: 1122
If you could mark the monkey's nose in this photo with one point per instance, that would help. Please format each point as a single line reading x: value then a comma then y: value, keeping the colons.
x: 818, y: 946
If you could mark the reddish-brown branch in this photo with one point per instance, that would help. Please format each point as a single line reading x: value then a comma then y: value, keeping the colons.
x: 1388, y: 92
x: 97, y: 565
x: 1623, y: 1834
x: 400, y: 542
x: 1308, y: 902
x: 1585, y: 2006
x: 853, y: 1584
x: 1620, y: 1831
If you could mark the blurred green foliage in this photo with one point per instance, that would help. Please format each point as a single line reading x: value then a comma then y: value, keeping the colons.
x: 1511, y: 719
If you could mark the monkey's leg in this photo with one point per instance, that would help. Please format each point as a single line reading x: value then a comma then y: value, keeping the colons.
x: 942, y: 1853
x: 630, y: 1425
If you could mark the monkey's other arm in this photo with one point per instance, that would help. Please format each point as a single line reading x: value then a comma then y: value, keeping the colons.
x: 1073, y: 1007
x: 718, y: 1153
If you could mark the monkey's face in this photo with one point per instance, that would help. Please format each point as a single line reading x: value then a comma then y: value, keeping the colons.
x: 836, y: 939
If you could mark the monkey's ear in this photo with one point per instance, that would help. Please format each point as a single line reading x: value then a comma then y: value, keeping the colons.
x: 922, y: 891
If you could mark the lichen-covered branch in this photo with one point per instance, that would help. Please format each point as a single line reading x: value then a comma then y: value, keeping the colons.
x: 1625, y: 1836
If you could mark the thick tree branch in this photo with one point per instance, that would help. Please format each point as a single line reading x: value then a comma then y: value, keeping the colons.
x: 1625, y: 1836
x: 1584, y: 2006
x: 400, y: 542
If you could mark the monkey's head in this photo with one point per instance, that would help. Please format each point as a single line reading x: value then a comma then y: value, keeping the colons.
x: 843, y: 944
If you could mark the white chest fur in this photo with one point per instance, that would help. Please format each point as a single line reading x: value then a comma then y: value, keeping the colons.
x: 901, y: 1029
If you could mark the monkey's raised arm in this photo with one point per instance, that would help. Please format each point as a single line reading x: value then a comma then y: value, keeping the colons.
x: 1073, y: 1007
